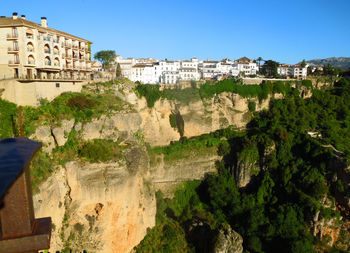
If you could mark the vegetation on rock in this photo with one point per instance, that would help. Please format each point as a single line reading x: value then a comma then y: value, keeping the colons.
x: 298, y: 173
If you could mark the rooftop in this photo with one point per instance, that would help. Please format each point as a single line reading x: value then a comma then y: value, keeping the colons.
x: 11, y: 22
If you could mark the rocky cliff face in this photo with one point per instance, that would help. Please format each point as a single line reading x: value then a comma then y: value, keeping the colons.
x: 107, y: 207
x: 104, y: 207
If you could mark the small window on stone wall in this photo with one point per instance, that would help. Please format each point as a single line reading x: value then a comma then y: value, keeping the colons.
x: 57, y: 85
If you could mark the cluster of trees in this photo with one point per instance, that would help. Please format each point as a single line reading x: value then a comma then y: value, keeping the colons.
x: 295, y: 173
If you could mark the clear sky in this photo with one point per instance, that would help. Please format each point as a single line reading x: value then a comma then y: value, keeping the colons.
x: 286, y: 31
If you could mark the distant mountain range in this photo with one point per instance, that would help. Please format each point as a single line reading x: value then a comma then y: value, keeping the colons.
x: 336, y: 62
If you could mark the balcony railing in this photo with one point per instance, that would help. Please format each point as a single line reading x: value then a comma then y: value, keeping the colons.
x: 48, y: 63
x: 47, y: 51
x: 13, y: 49
x: 55, y: 52
x: 12, y: 35
x: 56, y: 41
x: 15, y: 62
x: 31, y: 63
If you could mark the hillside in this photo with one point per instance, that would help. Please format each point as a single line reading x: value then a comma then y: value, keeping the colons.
x: 337, y: 62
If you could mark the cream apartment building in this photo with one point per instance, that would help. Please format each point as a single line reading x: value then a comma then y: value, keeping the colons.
x: 37, y: 61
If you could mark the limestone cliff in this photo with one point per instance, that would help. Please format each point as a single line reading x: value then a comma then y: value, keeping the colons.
x: 107, y: 207
x: 104, y: 207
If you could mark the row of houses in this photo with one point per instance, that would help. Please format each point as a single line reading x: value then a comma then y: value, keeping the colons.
x: 149, y: 70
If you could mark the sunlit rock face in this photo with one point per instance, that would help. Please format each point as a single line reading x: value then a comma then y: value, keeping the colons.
x: 105, y: 207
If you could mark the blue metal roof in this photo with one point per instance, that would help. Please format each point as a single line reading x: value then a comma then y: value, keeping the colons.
x: 15, y: 155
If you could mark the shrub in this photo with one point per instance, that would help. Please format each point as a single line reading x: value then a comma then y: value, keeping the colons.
x: 172, y: 120
x: 100, y: 150
x: 251, y: 106
x: 150, y: 92
x: 80, y: 102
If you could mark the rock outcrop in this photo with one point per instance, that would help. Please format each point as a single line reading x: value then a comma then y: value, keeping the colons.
x: 247, y: 166
x: 227, y: 241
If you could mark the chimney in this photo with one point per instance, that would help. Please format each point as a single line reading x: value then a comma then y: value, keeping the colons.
x: 23, y: 17
x: 15, y: 15
x: 43, y: 22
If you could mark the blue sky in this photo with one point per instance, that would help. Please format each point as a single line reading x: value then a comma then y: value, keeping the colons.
x: 286, y: 31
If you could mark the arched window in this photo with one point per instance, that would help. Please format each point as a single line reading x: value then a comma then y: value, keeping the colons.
x: 47, y: 49
x: 56, y: 50
x: 31, y: 60
x: 30, y: 47
x: 56, y: 62
x: 47, y: 61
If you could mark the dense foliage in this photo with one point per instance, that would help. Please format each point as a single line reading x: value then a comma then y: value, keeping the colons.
x: 294, y: 176
x: 152, y: 93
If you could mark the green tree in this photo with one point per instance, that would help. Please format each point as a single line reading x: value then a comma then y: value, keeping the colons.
x: 259, y: 61
x: 119, y: 71
x: 270, y: 68
x: 106, y: 57
x: 303, y: 64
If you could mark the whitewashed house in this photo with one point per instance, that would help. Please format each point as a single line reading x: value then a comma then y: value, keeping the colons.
x: 246, y: 65
x: 210, y: 69
x: 170, y: 77
x: 189, y: 70
x: 125, y: 65
x: 296, y: 71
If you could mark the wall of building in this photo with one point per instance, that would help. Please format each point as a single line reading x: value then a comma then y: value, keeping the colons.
x: 31, y: 93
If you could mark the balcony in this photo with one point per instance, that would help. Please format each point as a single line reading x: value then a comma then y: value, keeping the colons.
x: 13, y: 50
x: 13, y: 63
x: 56, y: 41
x: 47, y: 51
x: 30, y: 63
x: 55, y: 52
x: 12, y: 36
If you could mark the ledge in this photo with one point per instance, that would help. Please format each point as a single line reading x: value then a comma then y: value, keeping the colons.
x: 49, y: 80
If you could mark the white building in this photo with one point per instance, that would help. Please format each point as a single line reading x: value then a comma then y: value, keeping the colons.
x: 189, y: 70
x: 245, y: 65
x: 125, y: 65
x: 295, y: 71
x: 209, y: 69
x: 144, y: 73
x: 170, y: 77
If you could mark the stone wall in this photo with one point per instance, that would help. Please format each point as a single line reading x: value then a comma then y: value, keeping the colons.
x: 30, y: 93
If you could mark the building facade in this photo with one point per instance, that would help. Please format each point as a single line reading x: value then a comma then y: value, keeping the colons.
x: 294, y: 71
x: 31, y: 53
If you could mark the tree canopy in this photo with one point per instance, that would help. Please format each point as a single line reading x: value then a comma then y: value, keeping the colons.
x: 106, y: 57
